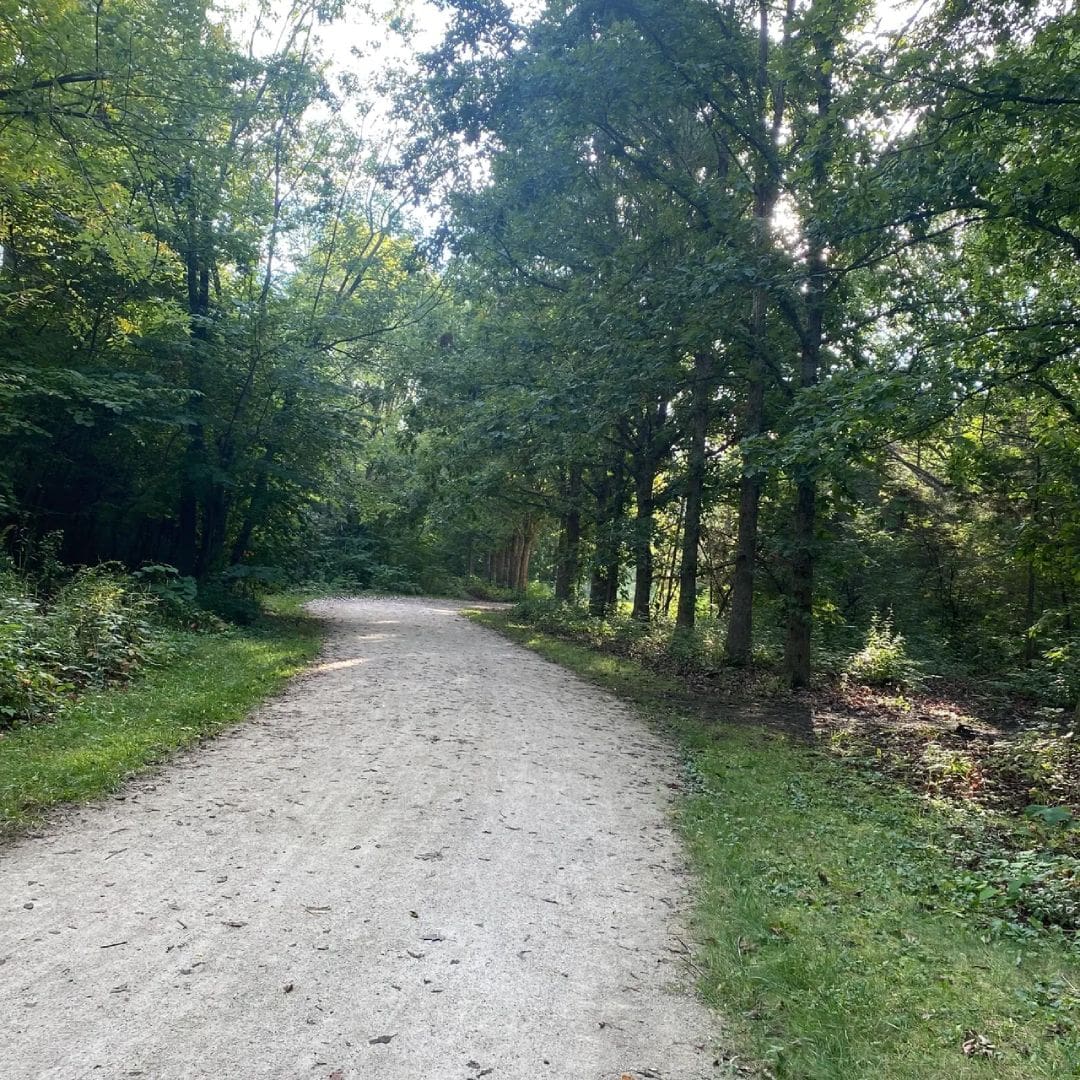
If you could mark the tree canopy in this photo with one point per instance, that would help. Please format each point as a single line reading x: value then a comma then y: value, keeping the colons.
x: 750, y: 315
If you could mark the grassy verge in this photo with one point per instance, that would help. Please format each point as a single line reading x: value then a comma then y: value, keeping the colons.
x: 210, y: 682
x: 825, y: 933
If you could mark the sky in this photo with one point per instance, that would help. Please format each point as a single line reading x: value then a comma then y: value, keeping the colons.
x: 361, y: 44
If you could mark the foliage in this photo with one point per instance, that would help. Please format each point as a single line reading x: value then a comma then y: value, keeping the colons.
x: 28, y: 690
x: 211, y: 681
x: 883, y: 660
x: 838, y: 933
x: 1022, y: 893
x: 99, y: 626
x: 64, y: 632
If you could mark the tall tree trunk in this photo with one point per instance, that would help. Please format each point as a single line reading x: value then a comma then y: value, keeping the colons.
x: 569, y: 565
x: 607, y: 561
x: 740, y: 632
x: 1031, y: 615
x: 766, y: 187
x: 259, y: 503
x: 695, y: 486
x: 214, y: 524
x: 672, y: 575
x: 195, y: 466
x: 644, y: 482
x: 801, y: 600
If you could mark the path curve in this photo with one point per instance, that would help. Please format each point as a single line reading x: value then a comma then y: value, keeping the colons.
x: 436, y: 855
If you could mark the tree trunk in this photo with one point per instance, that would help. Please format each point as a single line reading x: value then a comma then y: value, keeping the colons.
x: 740, y: 632
x: 569, y: 564
x: 695, y: 486
x: 801, y: 598
x: 801, y: 601
x: 193, y: 477
x: 644, y: 481
x: 766, y: 187
x: 607, y: 561
x: 1031, y: 615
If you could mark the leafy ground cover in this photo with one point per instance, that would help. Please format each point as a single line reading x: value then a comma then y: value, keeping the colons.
x: 201, y: 683
x: 850, y: 921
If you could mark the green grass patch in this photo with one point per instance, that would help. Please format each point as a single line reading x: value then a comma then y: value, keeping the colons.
x: 210, y: 682
x: 825, y: 930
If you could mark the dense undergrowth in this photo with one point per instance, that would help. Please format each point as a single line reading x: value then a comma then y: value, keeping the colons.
x: 65, y: 630
x: 103, y: 672
x: 849, y: 925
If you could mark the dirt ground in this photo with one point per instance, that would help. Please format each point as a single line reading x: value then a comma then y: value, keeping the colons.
x: 436, y: 855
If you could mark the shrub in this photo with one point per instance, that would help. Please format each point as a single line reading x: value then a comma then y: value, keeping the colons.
x: 1054, y: 677
x: 883, y: 660
x: 395, y: 579
x: 175, y: 593
x: 28, y: 691
x: 98, y: 627
x: 478, y: 589
x: 101, y: 625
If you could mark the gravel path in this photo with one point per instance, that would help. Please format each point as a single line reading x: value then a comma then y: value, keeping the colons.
x: 435, y: 856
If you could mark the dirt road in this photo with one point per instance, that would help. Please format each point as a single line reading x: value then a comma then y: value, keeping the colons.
x: 436, y: 856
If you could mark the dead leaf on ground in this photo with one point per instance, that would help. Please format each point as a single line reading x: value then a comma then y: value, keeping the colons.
x: 976, y: 1045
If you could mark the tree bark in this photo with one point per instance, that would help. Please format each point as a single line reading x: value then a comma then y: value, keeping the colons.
x: 740, y: 634
x: 607, y: 560
x: 194, y: 470
x: 569, y: 565
x: 801, y: 601
x: 695, y: 486
x: 644, y: 482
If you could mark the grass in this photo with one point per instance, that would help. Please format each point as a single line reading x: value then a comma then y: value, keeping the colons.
x: 210, y: 683
x: 825, y: 933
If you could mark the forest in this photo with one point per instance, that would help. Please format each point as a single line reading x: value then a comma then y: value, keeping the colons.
x: 735, y: 343
x: 750, y: 318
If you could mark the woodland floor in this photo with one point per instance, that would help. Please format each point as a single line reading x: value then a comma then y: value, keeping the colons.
x: 434, y: 855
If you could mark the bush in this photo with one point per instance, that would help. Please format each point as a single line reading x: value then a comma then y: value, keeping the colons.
x: 478, y: 589
x: 177, y: 597
x: 395, y: 579
x: 1054, y: 677
x: 229, y: 603
x: 28, y: 691
x: 883, y: 660
x: 98, y: 627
